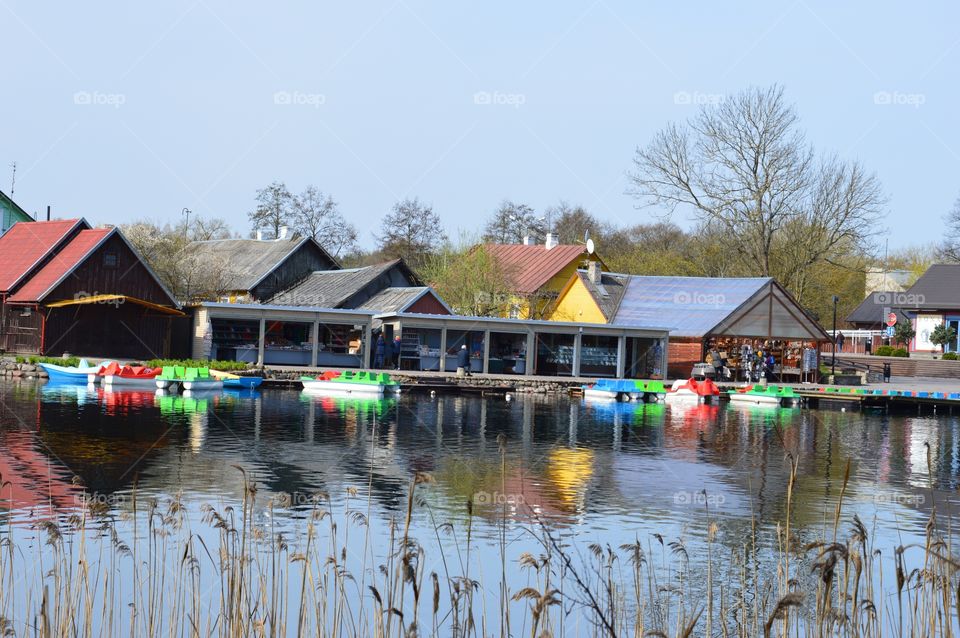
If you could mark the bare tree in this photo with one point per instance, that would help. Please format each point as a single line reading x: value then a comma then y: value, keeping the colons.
x: 274, y: 208
x: 949, y: 250
x: 411, y: 231
x: 571, y: 223
x: 744, y: 168
x: 512, y: 222
x: 316, y: 215
x: 204, y: 229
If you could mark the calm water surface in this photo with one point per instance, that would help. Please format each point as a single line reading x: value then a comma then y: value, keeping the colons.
x: 604, y: 473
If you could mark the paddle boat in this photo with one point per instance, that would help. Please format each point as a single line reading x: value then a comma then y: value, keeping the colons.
x: 71, y: 374
x: 235, y: 381
x: 764, y: 395
x: 188, y: 378
x: 351, y: 382
x: 115, y: 375
x: 613, y: 390
x: 653, y: 391
x: 692, y: 391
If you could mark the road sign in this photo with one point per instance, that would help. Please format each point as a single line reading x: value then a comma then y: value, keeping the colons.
x: 890, y: 331
x: 892, y: 319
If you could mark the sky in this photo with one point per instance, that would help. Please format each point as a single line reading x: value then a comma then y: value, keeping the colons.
x: 117, y: 111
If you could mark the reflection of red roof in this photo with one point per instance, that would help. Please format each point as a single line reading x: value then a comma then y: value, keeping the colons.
x: 63, y: 263
x: 530, y: 267
x: 26, y: 243
x: 33, y: 478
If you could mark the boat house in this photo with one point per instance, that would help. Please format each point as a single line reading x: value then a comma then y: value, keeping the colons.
x: 67, y: 287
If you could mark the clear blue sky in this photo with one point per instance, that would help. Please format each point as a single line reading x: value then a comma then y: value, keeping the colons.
x: 116, y: 110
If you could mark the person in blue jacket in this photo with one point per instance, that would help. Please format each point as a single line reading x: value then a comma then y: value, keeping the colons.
x: 397, y: 347
x: 379, y: 352
x: 463, y: 362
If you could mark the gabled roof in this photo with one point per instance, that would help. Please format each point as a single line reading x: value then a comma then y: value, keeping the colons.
x: 11, y: 212
x: 333, y: 288
x: 530, y: 267
x: 607, y: 293
x: 61, y: 264
x: 399, y: 299
x: 871, y: 310
x: 251, y: 260
x: 700, y: 306
x: 938, y: 288
x: 25, y: 245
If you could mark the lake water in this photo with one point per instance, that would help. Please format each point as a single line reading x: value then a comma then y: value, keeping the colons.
x: 501, y: 473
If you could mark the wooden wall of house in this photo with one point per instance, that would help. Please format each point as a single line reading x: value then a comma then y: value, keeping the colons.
x: 392, y: 278
x: 19, y: 333
x: 428, y: 304
x: 105, y: 330
x: 95, y: 277
x: 297, y: 267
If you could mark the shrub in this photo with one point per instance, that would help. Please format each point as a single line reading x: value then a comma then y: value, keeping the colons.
x: 223, y: 366
x: 949, y: 356
x: 883, y: 351
x: 60, y: 361
x: 899, y: 352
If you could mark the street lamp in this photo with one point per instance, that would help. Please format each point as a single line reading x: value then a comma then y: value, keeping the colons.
x: 833, y: 362
x: 186, y: 212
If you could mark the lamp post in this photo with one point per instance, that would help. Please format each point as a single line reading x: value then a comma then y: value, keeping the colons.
x: 186, y: 212
x: 833, y: 361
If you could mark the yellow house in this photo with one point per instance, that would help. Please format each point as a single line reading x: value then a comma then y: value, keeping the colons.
x: 538, y: 274
x: 589, y: 296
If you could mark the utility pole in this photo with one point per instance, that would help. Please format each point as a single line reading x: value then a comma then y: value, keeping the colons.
x: 833, y: 361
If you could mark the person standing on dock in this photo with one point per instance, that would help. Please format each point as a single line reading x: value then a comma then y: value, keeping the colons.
x: 886, y: 372
x: 397, y: 347
x: 463, y: 362
x: 379, y: 352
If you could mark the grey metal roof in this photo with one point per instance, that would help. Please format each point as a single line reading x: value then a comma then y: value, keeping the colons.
x: 394, y: 299
x: 872, y: 310
x: 936, y: 289
x: 330, y: 288
x: 608, y: 292
x: 692, y: 305
x: 247, y: 261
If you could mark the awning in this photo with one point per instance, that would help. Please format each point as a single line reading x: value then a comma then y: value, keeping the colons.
x: 115, y: 300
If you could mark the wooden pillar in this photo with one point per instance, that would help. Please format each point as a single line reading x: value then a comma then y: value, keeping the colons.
x: 315, y: 346
x: 366, y: 345
x: 531, y: 352
x: 442, y: 366
x: 260, y: 341
x: 486, y: 352
x: 621, y: 355
x: 577, y: 345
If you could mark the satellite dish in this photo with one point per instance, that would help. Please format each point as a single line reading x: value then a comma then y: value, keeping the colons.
x: 590, y: 246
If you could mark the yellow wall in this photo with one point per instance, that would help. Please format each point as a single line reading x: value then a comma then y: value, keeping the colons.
x: 577, y: 304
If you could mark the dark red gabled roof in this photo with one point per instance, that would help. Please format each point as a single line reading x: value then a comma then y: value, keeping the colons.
x: 25, y: 245
x: 529, y: 267
x: 60, y: 265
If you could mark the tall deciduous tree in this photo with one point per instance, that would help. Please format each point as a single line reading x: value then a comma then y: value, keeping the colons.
x: 411, y: 231
x: 274, y: 208
x: 316, y: 215
x: 512, y: 222
x: 469, y: 279
x: 744, y: 168
x: 949, y: 250
x: 571, y: 223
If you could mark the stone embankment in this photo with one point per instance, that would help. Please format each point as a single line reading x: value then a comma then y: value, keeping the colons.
x: 9, y: 368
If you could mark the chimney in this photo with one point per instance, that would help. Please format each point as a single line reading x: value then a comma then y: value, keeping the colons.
x: 283, y: 233
x: 259, y: 235
x: 593, y: 272
x: 527, y: 240
x: 48, y: 213
x: 552, y: 241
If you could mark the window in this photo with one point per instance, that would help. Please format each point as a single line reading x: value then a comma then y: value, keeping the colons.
x: 110, y: 260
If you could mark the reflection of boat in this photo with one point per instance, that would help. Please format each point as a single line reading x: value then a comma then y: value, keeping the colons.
x: 71, y: 374
x: 694, y: 391
x: 181, y: 404
x: 764, y: 395
x: 129, y: 376
x: 351, y: 382
x: 236, y: 381
x: 60, y: 391
x: 340, y: 404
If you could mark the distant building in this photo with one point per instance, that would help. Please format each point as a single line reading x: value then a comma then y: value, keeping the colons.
x: 932, y: 300
x: 67, y: 287
x: 11, y: 213
x: 724, y: 314
x: 537, y: 273
x: 257, y: 269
